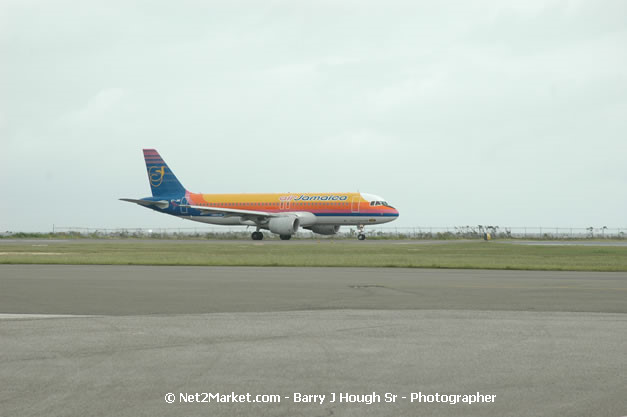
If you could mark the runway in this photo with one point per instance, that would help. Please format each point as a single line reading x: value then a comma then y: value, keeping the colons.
x: 316, y: 240
x: 111, y: 340
x: 135, y: 290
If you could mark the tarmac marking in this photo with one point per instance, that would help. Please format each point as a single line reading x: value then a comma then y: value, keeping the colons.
x: 9, y: 316
x: 34, y: 253
x: 533, y: 288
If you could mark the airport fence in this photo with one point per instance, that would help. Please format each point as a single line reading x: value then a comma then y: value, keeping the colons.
x: 417, y: 232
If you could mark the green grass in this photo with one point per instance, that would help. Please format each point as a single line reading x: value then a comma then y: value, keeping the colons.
x: 474, y: 255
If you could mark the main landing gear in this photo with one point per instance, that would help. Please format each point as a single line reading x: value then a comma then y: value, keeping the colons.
x: 259, y: 236
x: 361, y: 235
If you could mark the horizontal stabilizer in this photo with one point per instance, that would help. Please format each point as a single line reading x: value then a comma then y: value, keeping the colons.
x: 162, y: 204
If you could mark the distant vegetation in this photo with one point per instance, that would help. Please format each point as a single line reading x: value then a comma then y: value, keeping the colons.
x: 419, y: 233
x: 127, y: 235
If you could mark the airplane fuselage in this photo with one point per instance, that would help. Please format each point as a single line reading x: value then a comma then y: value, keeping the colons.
x: 348, y: 209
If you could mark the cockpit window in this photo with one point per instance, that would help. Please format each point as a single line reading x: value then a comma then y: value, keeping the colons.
x: 380, y: 203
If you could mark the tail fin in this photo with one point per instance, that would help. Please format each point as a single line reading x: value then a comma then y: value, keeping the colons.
x: 162, y: 180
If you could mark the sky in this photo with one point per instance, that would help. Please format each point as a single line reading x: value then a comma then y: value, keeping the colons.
x: 456, y: 112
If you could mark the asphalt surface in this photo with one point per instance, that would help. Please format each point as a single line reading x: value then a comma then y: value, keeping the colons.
x: 111, y: 340
x: 134, y: 290
x: 318, y: 239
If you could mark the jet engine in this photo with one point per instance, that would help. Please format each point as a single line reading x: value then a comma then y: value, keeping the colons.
x: 287, y: 225
x: 325, y: 229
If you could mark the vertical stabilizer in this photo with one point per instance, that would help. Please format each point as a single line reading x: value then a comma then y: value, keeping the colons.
x: 162, y: 180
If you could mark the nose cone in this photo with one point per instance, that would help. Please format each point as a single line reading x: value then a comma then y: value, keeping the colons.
x: 391, y: 212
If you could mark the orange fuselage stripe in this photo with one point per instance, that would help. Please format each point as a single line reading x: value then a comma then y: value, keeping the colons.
x: 344, y: 202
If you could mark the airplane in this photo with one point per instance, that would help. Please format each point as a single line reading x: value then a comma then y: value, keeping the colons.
x: 280, y: 213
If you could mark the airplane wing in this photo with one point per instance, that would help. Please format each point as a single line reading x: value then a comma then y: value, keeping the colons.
x: 230, y: 212
x: 162, y: 204
x: 306, y: 218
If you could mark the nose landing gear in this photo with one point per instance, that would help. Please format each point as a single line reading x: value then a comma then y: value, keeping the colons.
x: 257, y: 235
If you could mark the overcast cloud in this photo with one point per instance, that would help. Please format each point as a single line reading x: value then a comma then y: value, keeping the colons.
x: 483, y: 112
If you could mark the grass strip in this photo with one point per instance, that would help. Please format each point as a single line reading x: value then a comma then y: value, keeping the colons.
x: 466, y: 255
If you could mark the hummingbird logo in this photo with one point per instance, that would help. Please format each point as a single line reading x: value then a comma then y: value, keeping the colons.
x: 155, y: 175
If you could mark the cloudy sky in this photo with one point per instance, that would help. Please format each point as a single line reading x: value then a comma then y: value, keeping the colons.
x: 483, y: 112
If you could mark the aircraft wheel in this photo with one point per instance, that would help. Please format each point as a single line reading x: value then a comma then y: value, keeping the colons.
x: 361, y: 236
x: 257, y: 236
x: 285, y: 237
